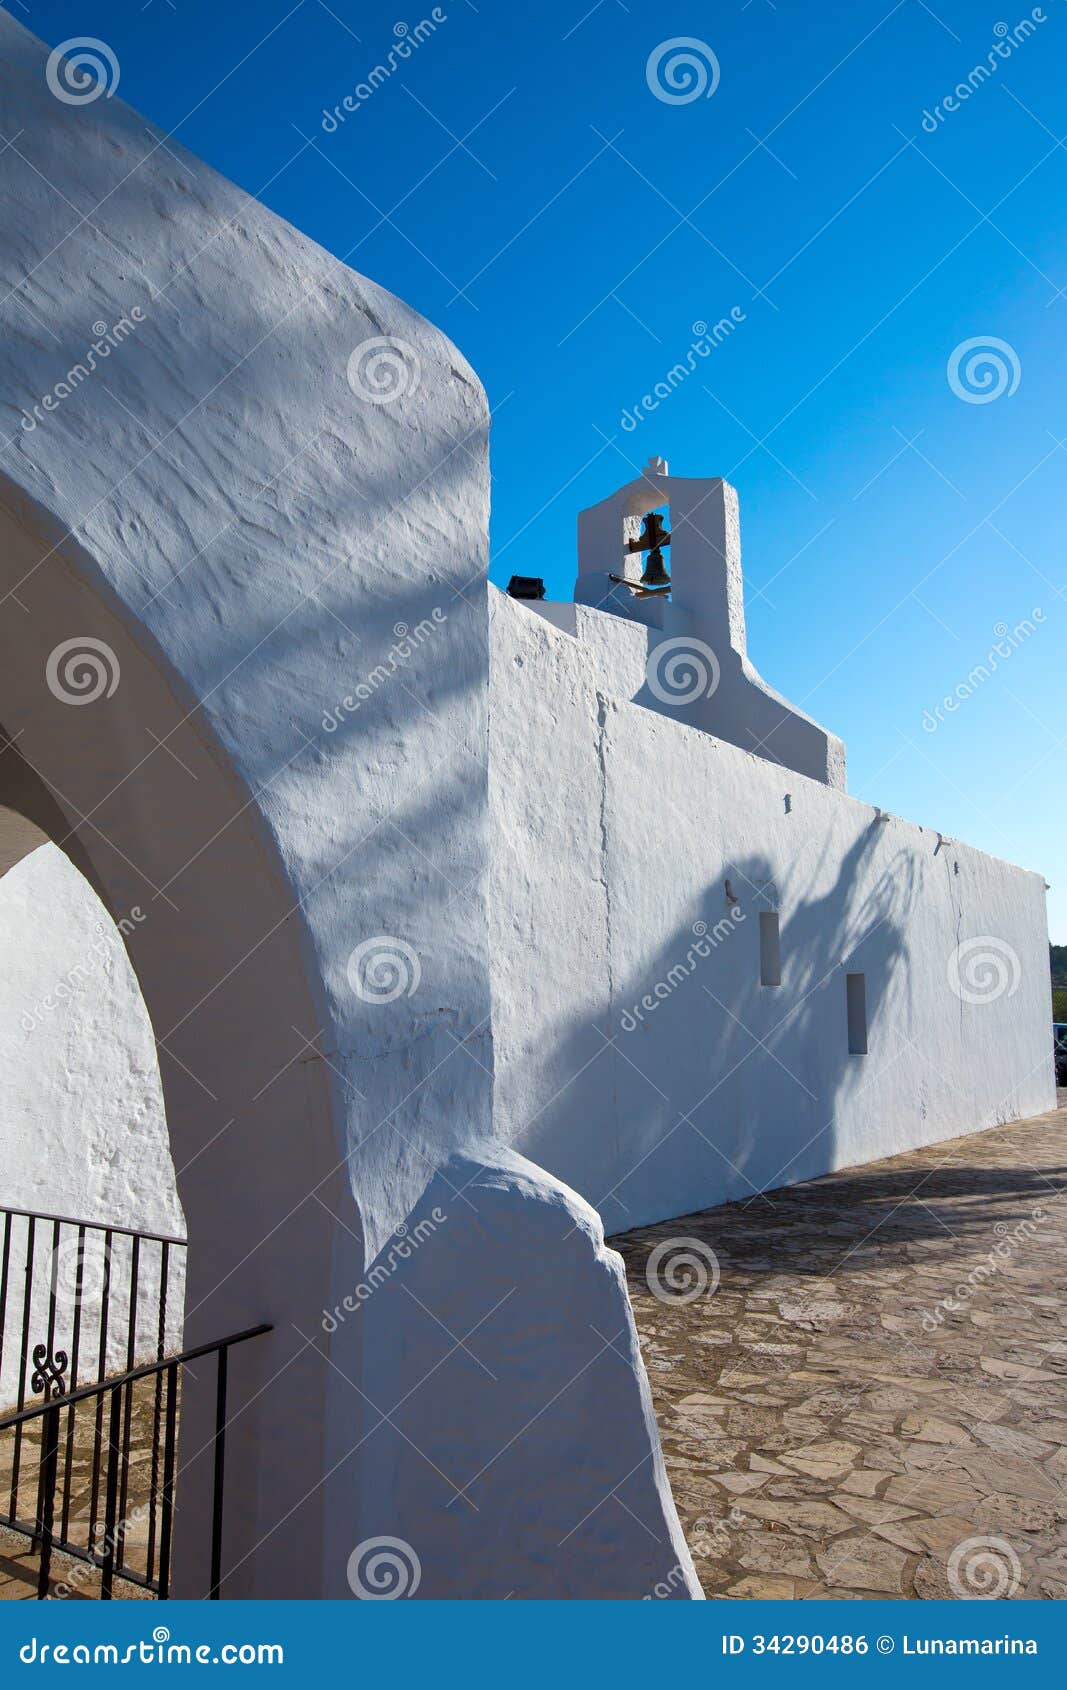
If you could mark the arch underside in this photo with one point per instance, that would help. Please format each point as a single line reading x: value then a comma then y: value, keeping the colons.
x: 213, y: 941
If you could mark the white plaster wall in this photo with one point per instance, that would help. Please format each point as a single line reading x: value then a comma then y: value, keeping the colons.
x: 82, y: 1128
x: 620, y: 838
x: 541, y: 1473
x: 245, y: 530
x: 222, y: 508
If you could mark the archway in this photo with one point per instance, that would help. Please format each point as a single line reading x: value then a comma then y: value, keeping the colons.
x: 92, y: 1235
x: 83, y: 1133
x: 244, y: 646
x: 167, y: 839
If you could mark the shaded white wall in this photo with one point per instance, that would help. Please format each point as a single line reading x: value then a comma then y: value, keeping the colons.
x: 612, y: 858
x: 82, y: 1127
x: 82, y: 1130
x: 242, y: 525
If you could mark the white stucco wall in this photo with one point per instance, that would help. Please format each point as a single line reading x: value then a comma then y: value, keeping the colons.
x: 611, y: 861
x: 280, y: 468
x: 82, y: 1128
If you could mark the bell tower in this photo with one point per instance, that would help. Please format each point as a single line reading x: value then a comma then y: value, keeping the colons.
x: 673, y: 637
x: 691, y: 612
x: 621, y: 566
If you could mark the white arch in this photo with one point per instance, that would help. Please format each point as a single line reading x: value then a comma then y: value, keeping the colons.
x: 283, y: 582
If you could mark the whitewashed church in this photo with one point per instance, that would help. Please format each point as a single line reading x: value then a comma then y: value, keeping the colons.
x: 375, y: 940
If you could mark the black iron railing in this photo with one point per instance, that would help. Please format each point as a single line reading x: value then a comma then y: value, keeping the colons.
x: 68, y: 1515
x: 106, y: 1297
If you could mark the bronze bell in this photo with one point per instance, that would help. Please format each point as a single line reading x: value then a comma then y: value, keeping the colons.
x: 653, y: 537
x: 655, y: 574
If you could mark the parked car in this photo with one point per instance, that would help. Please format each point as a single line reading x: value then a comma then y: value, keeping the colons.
x: 1059, y: 1046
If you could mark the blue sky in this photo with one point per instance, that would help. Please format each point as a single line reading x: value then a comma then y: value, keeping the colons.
x: 519, y: 181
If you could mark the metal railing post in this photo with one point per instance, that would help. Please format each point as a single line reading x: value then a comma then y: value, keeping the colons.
x: 46, y: 1497
x: 220, y: 1464
x: 114, y: 1448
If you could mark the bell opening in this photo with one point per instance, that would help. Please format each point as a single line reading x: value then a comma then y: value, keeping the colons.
x: 652, y: 543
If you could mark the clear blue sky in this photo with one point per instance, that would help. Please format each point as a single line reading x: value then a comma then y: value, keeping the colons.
x: 519, y: 155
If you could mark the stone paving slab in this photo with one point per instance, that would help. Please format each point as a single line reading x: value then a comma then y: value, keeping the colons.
x: 861, y: 1382
x: 71, y: 1577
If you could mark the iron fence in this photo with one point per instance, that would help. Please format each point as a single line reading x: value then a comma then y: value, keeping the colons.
x: 89, y: 1468
x: 108, y: 1297
x: 121, y: 1522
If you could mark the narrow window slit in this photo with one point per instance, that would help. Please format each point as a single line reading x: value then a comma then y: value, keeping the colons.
x: 856, y: 994
x: 770, y: 949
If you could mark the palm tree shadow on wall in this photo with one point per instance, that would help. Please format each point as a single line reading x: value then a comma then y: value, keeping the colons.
x: 858, y: 927
x: 699, y: 1085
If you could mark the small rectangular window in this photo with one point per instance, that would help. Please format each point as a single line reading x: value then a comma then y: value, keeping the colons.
x: 770, y: 949
x: 856, y: 993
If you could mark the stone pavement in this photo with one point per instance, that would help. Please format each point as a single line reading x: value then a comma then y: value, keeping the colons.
x: 70, y: 1579
x: 873, y: 1401
x: 867, y: 1396
x: 74, y: 1579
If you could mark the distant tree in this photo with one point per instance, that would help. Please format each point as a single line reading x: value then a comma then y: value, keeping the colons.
x: 1057, y: 955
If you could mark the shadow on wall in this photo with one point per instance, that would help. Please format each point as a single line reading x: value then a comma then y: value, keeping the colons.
x: 498, y: 1322
x: 700, y: 1085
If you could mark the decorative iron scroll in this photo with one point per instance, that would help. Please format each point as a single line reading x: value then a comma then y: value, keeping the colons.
x: 48, y: 1372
